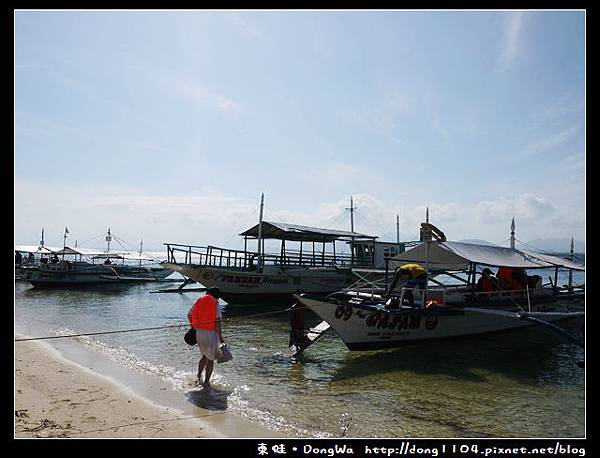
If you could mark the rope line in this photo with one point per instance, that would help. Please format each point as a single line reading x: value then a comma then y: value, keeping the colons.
x: 153, y: 328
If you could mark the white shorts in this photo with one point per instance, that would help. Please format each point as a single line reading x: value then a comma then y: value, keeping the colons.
x: 208, y: 343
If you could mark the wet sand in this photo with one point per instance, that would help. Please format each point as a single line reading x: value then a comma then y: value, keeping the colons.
x: 55, y: 397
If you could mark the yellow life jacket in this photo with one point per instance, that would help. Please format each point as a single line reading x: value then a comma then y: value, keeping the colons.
x: 413, y: 270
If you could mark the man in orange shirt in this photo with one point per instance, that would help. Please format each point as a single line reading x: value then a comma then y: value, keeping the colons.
x: 205, y: 317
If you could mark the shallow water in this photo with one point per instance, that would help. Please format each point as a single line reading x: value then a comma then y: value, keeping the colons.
x: 524, y: 383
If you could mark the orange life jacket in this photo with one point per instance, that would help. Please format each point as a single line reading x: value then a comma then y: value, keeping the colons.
x: 505, y: 274
x: 204, y: 313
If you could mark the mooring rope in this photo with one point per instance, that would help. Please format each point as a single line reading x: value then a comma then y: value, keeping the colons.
x: 156, y: 327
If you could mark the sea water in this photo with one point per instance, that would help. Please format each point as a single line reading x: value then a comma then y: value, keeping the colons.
x: 524, y: 383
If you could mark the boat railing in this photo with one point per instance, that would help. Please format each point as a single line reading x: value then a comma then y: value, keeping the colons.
x: 212, y: 256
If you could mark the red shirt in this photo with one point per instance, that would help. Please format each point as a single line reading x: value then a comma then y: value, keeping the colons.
x: 486, y: 285
x: 204, y: 313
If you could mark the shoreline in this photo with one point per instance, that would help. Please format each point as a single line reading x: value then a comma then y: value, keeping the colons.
x: 60, y: 398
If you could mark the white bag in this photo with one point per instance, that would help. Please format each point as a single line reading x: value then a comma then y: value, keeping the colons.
x: 224, y: 354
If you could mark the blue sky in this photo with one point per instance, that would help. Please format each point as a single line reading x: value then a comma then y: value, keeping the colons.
x: 168, y: 125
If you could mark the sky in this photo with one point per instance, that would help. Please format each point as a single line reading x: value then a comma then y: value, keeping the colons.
x: 167, y: 126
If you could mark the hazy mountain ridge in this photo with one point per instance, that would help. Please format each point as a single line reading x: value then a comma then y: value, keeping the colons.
x: 556, y: 245
x: 477, y: 242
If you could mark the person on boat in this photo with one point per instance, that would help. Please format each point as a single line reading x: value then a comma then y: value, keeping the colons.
x: 410, y: 276
x: 519, y: 279
x: 487, y: 283
x: 505, y: 278
x: 512, y: 279
x: 107, y: 262
x: 205, y: 316
x: 534, y: 281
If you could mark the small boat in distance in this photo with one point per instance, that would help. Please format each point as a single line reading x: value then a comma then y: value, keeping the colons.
x: 76, y: 266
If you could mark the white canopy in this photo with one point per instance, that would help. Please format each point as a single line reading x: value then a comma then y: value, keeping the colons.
x: 458, y: 256
x: 88, y: 252
x: 36, y: 249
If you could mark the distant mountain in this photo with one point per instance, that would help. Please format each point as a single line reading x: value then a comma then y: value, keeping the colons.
x: 557, y: 245
x: 477, y: 242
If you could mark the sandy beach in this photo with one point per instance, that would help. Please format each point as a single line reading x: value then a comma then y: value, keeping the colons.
x: 56, y: 398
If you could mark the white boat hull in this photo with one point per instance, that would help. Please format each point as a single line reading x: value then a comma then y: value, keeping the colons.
x: 273, y: 284
x: 365, y: 328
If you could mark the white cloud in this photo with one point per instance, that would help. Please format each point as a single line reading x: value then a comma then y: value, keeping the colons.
x: 525, y: 207
x: 383, y: 124
x: 240, y: 23
x: 205, y: 97
x: 549, y: 143
x: 574, y: 162
x: 511, y: 45
x: 217, y: 218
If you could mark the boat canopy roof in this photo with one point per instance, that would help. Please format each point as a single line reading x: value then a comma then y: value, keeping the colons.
x: 124, y: 256
x: 295, y: 232
x: 36, y: 249
x: 459, y: 255
x: 89, y: 252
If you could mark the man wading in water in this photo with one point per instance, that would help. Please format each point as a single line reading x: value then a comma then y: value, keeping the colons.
x: 205, y: 317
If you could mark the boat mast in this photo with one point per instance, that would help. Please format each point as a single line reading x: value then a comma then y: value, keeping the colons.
x: 571, y: 270
x: 64, y: 242
x: 260, y: 220
x: 398, y: 231
x: 141, y: 245
x: 42, y: 241
x: 108, y: 239
x: 352, y: 208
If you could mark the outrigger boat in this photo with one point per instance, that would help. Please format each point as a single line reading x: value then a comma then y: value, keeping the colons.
x: 376, y: 318
x: 257, y: 277
x: 75, y: 266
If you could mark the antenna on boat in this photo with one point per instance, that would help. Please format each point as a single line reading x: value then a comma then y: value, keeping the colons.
x: 351, y: 208
x: 260, y: 220
x: 426, y: 214
x: 42, y: 241
x: 398, y: 229
x: 512, y: 234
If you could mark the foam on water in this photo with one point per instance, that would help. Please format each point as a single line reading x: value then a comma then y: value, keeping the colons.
x: 185, y: 380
